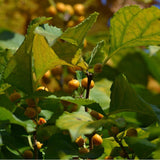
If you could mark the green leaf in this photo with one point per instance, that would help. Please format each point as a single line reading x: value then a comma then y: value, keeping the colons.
x: 124, y: 98
x: 6, y: 115
x: 44, y: 57
x: 76, y: 35
x: 19, y: 69
x: 78, y: 123
x: 49, y: 32
x: 97, y: 55
x: 132, y: 26
x: 10, y: 40
x: 141, y: 147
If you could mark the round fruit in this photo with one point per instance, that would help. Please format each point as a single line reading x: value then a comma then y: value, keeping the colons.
x: 132, y: 132
x: 28, y: 154
x: 14, y: 97
x: 97, y: 140
x: 30, y: 112
x: 73, y: 84
x: 114, y: 131
x: 52, y: 10
x: 80, y: 141
x: 71, y: 23
x: 69, y: 9
x: 31, y: 102
x: 108, y: 157
x: 84, y: 83
x: 42, y: 88
x: 58, y: 70
x: 45, y: 79
x: 39, y: 145
x: 83, y: 150
x: 80, y: 19
x: 60, y: 7
x: 98, y: 68
x: 41, y: 121
x: 96, y: 114
x: 79, y: 9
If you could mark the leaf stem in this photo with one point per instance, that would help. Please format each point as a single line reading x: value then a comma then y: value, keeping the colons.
x: 35, y: 144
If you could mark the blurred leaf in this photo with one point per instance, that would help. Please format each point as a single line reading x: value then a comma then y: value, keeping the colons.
x: 132, y: 26
x: 19, y: 69
x: 10, y: 40
x: 78, y: 123
x: 97, y: 55
x: 76, y: 35
x: 124, y: 98
x: 141, y: 147
x: 6, y: 115
x: 49, y: 32
x: 60, y: 145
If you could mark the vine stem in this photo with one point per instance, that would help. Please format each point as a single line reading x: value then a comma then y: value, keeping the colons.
x: 35, y: 144
x: 122, y: 147
x: 90, y: 77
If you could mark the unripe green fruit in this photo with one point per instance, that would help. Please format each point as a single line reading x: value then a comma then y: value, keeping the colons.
x: 131, y: 132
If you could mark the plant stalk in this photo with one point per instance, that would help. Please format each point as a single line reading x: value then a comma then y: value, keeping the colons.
x: 35, y: 144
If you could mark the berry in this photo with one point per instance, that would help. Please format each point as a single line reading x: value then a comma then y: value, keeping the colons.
x: 73, y: 70
x: 42, y: 88
x: 98, y: 68
x: 31, y: 102
x: 80, y: 19
x: 97, y: 140
x: 71, y: 23
x: 60, y: 7
x: 73, y: 84
x: 80, y: 141
x: 14, y: 97
x: 84, y: 83
x: 108, y: 157
x: 83, y: 150
x: 52, y: 10
x: 96, y: 114
x: 41, y: 121
x: 79, y: 9
x: 45, y: 79
x: 69, y: 9
x: 28, y: 154
x: 39, y: 145
x: 132, y: 132
x: 114, y: 131
x: 57, y: 70
x: 30, y: 112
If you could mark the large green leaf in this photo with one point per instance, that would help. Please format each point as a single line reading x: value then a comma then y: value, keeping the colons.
x: 78, y: 123
x: 19, y: 69
x: 132, y: 26
x: 124, y: 98
x: 10, y: 40
x: 76, y: 35
x: 6, y: 115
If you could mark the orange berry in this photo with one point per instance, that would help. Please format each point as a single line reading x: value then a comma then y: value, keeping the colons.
x: 28, y: 154
x: 132, y: 132
x: 80, y: 141
x: 58, y: 70
x: 71, y: 23
x: 97, y: 140
x: 80, y: 19
x: 41, y: 121
x: 60, y: 7
x: 39, y: 145
x: 14, y: 97
x: 83, y: 150
x: 42, y: 88
x: 84, y: 83
x: 79, y: 9
x: 73, y: 84
x: 114, y: 131
x: 52, y: 10
x: 96, y: 114
x: 30, y: 112
x: 69, y: 9
x: 98, y: 68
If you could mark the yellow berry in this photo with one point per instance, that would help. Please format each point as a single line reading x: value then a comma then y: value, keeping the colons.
x: 73, y: 84
x: 131, y: 132
x: 97, y: 140
x: 80, y: 141
x: 60, y: 7
x: 39, y: 145
x: 14, y: 97
x: 69, y: 9
x: 42, y: 88
x: 28, y: 154
x: 71, y: 23
x: 79, y: 9
x: 52, y: 10
x: 80, y: 19
x: 84, y: 83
